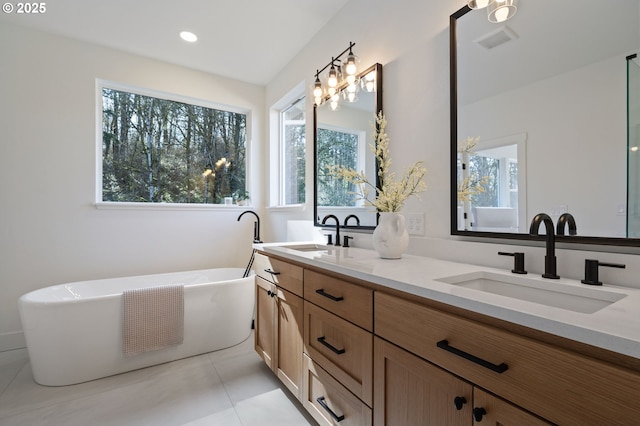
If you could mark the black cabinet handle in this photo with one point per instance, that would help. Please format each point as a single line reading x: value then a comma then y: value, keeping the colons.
x: 329, y: 410
x: 330, y: 346
x: 321, y: 292
x: 269, y: 271
x: 444, y: 344
x: 478, y: 413
x: 459, y: 401
x: 271, y: 293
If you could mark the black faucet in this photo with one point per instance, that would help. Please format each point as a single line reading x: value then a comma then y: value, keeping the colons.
x: 566, y: 219
x: 550, y: 257
x: 346, y: 219
x: 256, y: 225
x: 331, y: 216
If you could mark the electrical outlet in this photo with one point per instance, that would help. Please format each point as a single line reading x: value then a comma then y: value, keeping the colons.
x: 414, y: 223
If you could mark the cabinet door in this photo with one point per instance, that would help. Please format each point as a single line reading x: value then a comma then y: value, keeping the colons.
x: 489, y: 410
x: 265, y: 331
x: 288, y: 361
x: 410, y: 391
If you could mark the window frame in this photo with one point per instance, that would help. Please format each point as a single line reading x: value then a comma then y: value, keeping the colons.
x: 276, y: 195
x: 129, y: 205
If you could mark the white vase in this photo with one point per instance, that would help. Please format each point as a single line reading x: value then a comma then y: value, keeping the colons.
x: 390, y: 238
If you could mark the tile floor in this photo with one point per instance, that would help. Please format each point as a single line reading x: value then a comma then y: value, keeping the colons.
x: 232, y: 387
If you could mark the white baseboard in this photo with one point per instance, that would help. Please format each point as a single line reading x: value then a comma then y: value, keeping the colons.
x: 11, y: 341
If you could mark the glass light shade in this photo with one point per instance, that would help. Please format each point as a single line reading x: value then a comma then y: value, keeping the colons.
x: 332, y: 78
x: 369, y: 82
x: 351, y: 67
x: 351, y: 80
x: 317, y: 88
x: 478, y: 4
x: 318, y: 100
x: 501, y: 10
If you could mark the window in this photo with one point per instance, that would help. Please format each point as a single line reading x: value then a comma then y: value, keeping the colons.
x: 336, y: 148
x: 156, y: 150
x: 293, y: 151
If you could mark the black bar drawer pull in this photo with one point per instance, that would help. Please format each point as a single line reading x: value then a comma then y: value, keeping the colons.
x: 321, y: 292
x: 330, y: 346
x: 269, y: 271
x: 329, y: 410
x: 444, y: 344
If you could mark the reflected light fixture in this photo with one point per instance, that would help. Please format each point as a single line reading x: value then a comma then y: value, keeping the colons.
x: 497, y: 10
x: 478, y: 4
x: 501, y: 10
x: 341, y: 77
x: 188, y: 36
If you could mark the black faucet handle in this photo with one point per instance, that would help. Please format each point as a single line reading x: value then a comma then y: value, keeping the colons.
x: 345, y: 240
x: 518, y: 261
x: 591, y: 270
x: 329, y: 239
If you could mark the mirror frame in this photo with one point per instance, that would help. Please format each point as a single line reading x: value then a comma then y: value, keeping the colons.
x: 378, y: 107
x: 453, y: 72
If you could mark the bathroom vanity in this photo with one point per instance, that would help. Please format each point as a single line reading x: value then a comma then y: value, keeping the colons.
x: 361, y: 340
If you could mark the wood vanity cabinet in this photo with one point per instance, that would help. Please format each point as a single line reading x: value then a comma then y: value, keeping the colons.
x: 412, y: 391
x: 561, y: 386
x: 338, y: 345
x: 279, y: 316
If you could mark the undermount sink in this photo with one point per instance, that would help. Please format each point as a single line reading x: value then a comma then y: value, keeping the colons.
x: 573, y: 298
x: 307, y: 247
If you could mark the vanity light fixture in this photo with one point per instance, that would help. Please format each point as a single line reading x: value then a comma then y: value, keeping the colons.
x: 341, y: 78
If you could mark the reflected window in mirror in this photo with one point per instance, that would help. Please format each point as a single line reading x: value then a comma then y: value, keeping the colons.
x: 492, y: 185
x: 343, y: 137
x: 338, y: 148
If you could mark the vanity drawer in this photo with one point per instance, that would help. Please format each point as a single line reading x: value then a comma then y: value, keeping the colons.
x: 284, y: 274
x: 341, y: 348
x: 349, y: 301
x: 338, y: 401
x: 559, y: 385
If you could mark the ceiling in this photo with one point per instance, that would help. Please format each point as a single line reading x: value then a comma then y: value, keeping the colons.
x: 248, y: 40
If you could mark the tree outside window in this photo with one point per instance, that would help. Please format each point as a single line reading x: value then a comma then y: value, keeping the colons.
x: 162, y: 151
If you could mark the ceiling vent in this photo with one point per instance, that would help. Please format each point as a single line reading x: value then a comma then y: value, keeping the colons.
x: 496, y: 38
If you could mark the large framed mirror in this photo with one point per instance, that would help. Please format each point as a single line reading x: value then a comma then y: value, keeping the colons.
x: 343, y: 134
x: 539, y: 120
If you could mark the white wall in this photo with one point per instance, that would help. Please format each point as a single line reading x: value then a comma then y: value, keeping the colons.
x: 50, y: 230
x: 410, y: 39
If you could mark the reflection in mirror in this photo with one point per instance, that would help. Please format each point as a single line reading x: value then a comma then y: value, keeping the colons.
x: 492, y: 192
x: 343, y: 135
x: 562, y: 83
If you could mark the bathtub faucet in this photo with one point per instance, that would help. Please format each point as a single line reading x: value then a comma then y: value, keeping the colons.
x: 256, y: 225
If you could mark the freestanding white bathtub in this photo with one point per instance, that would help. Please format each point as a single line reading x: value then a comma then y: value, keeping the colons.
x: 74, y: 331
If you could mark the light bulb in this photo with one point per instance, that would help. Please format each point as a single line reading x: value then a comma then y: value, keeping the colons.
x: 502, y: 14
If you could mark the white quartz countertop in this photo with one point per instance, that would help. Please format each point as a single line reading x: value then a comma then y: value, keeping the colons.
x: 615, y: 327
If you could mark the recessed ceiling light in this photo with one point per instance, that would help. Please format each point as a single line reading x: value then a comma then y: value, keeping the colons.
x: 188, y: 36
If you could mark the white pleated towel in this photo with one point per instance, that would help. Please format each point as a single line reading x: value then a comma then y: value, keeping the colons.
x: 153, y: 318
